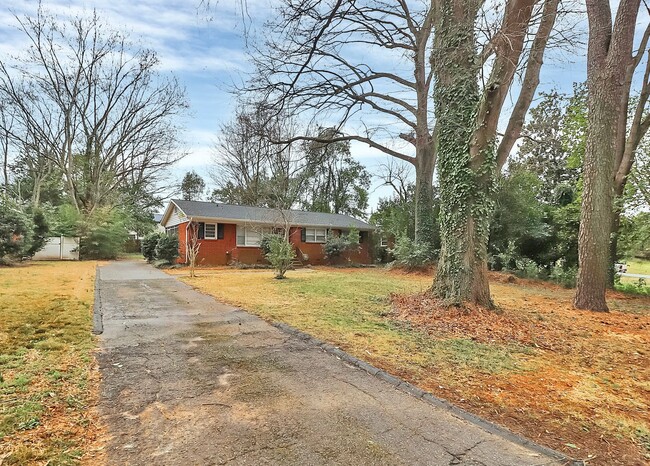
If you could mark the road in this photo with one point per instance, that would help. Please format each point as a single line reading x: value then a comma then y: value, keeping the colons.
x: 187, y: 380
x: 635, y: 275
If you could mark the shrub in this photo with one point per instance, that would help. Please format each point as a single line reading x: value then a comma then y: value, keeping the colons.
x: 23, y: 232
x: 505, y: 259
x: 103, y: 235
x: 39, y: 234
x: 15, y: 229
x: 280, y: 255
x: 410, y: 254
x: 527, y: 268
x: 167, y: 248
x: 148, y: 245
x: 336, y: 246
x: 640, y: 287
x: 566, y: 277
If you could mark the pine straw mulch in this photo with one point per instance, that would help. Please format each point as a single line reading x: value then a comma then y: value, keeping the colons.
x: 584, y: 386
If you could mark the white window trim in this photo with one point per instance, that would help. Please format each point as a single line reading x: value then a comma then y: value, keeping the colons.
x: 316, y: 235
x: 247, y: 230
x: 383, y: 243
x: 205, y: 231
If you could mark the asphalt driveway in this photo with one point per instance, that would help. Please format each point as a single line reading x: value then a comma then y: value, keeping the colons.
x: 187, y: 380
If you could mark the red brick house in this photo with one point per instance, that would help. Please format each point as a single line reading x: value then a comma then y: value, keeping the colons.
x: 231, y: 233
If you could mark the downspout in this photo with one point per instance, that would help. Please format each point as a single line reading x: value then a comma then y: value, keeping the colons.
x: 187, y: 230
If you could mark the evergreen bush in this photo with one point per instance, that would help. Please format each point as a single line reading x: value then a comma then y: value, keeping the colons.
x: 103, y: 235
x: 15, y: 230
x: 410, y: 254
x: 336, y: 246
x: 148, y: 245
x: 167, y: 248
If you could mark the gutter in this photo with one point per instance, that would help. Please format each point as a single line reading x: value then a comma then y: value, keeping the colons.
x: 187, y: 229
x: 233, y: 221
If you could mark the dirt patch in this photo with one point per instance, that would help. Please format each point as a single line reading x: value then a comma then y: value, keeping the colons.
x: 583, y: 387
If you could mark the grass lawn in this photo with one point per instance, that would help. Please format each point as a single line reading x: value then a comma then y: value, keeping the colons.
x: 638, y: 266
x: 575, y: 381
x: 641, y: 267
x: 48, y: 377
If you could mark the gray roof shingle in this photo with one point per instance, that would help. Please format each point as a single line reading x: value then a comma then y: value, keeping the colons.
x: 270, y: 216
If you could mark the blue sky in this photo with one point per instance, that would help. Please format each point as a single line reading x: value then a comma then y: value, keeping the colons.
x: 206, y: 50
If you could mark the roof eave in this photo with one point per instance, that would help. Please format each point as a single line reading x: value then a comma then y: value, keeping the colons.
x: 270, y: 223
x: 168, y: 211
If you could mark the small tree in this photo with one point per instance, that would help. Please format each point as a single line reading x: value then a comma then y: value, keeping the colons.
x: 167, y: 248
x: 265, y: 241
x: 103, y: 234
x: 280, y: 255
x: 192, y: 247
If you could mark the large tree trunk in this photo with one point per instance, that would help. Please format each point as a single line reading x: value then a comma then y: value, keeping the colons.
x: 596, y: 212
x: 609, y: 58
x: 425, y: 151
x: 424, y: 215
x: 465, y: 181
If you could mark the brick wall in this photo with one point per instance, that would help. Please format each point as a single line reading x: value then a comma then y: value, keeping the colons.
x: 317, y: 255
x: 211, y: 251
x: 224, y: 251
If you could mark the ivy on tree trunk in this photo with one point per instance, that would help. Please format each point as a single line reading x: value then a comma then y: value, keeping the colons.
x: 466, y: 179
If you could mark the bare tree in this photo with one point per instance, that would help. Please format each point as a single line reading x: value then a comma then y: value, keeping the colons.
x: 334, y: 181
x: 398, y: 176
x: 317, y: 61
x: 192, y: 246
x: 6, y: 126
x: 250, y: 169
x: 632, y: 128
x: 92, y: 104
x: 610, y: 148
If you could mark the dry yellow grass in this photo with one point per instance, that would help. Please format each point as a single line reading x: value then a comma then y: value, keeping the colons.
x: 48, y: 376
x: 578, y: 382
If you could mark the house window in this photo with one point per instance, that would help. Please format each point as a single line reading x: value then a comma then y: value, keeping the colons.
x: 384, y: 243
x: 315, y: 235
x: 210, y: 231
x: 172, y: 231
x: 247, y: 236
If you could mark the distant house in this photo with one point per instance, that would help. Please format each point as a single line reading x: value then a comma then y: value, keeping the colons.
x: 232, y: 233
